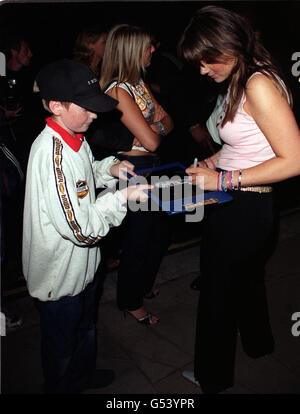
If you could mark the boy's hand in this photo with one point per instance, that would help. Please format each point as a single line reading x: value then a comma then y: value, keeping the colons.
x: 136, y: 192
x: 121, y: 169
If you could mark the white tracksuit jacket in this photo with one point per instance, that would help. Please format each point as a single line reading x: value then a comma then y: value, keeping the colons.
x: 63, y: 220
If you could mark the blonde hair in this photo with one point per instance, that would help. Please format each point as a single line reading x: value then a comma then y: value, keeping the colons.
x: 123, y: 57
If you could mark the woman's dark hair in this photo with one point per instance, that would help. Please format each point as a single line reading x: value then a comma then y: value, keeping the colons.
x: 215, y: 32
x: 89, y: 35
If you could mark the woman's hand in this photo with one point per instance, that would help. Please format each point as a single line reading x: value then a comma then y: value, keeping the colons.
x: 136, y: 142
x: 210, y: 177
x: 159, y: 113
x: 201, y: 164
x: 121, y: 169
x: 155, y: 128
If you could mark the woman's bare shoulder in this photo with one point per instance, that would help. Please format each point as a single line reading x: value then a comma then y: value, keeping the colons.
x: 259, y: 83
x: 261, y: 88
x: 119, y: 91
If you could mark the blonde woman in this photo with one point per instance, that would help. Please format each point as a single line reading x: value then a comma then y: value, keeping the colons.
x: 261, y: 146
x: 127, y: 54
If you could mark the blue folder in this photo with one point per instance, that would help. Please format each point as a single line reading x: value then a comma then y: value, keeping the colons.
x: 173, y: 193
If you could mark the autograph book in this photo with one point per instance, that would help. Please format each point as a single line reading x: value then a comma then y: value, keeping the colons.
x: 174, y: 193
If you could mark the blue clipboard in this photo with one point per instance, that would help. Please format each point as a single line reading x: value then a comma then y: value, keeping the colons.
x: 182, y: 196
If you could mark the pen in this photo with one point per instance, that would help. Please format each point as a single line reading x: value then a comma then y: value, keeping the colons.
x: 195, y: 162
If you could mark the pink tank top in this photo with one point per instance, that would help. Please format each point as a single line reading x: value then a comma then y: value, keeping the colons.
x: 244, y: 143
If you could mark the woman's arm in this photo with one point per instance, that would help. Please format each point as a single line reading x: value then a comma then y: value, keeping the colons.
x: 273, y: 115
x: 210, y: 162
x: 162, y: 116
x: 133, y: 119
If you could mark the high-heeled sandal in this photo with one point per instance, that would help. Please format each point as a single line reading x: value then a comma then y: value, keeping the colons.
x: 144, y: 320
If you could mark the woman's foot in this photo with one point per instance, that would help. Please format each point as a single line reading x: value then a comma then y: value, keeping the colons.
x: 141, y: 315
x: 189, y: 375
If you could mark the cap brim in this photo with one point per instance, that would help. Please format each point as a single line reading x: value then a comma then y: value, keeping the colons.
x: 97, y: 103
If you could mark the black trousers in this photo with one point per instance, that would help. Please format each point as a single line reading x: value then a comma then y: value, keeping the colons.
x: 237, y: 240
x: 68, y: 341
x: 145, y: 240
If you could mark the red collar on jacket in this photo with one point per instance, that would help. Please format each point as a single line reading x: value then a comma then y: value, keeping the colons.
x: 73, y: 142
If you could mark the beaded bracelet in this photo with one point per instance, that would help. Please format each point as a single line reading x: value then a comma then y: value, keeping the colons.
x: 226, y: 180
x: 229, y: 178
x: 224, y: 188
x: 161, y: 127
x: 232, y: 181
x: 220, y: 181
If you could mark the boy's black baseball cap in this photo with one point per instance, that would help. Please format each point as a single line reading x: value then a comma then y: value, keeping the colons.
x: 67, y: 80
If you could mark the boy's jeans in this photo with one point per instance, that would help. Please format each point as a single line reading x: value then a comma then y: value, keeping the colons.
x: 68, y: 341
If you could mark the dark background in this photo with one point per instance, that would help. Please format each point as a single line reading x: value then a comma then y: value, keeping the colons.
x: 52, y: 28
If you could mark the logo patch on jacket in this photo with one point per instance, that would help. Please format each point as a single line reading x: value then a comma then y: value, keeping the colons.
x: 82, y: 189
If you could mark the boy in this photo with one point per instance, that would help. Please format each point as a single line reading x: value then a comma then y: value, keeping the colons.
x: 63, y: 221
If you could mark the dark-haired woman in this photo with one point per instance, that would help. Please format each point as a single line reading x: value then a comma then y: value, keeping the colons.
x: 261, y: 146
x: 89, y: 47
